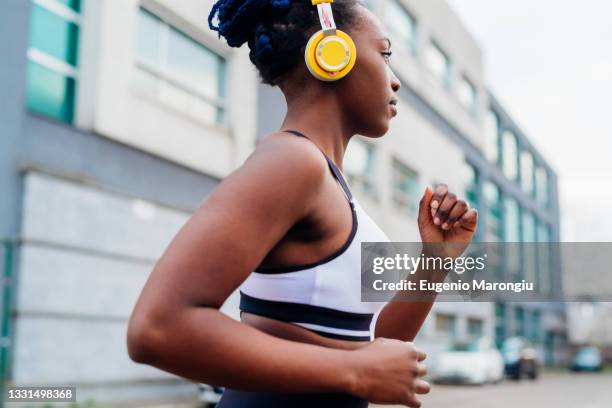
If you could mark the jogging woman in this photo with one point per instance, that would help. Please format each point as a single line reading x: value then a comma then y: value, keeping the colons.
x: 285, y: 229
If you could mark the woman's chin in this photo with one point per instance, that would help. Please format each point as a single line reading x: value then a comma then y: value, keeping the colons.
x: 377, y: 129
x: 383, y: 128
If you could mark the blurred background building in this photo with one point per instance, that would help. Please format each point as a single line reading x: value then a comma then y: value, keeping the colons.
x: 119, y: 117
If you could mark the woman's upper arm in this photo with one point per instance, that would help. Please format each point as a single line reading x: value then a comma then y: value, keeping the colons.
x: 235, y: 227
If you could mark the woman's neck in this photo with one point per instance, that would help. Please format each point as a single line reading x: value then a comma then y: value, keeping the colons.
x: 321, y: 120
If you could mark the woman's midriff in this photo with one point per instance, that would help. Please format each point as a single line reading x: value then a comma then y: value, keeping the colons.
x: 293, y: 332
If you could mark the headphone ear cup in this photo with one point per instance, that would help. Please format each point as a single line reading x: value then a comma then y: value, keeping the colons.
x: 310, y: 56
x: 330, y: 58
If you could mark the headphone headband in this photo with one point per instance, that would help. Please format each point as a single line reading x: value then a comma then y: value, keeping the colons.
x: 330, y: 53
x: 326, y: 16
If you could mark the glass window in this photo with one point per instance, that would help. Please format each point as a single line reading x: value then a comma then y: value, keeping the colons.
x: 401, y: 24
x: 471, y: 184
x: 512, y: 221
x: 491, y: 146
x: 446, y: 325
x: 500, y: 324
x: 475, y: 327
x: 71, y: 4
x: 195, y: 65
x: 359, y: 166
x: 542, y: 186
x: 519, y: 321
x: 512, y: 233
x: 510, y: 151
x: 50, y: 93
x: 492, y: 197
x: 438, y: 64
x: 405, y: 188
x: 472, y: 192
x: 534, y: 326
x: 148, y: 39
x: 543, y: 232
x: 493, y: 227
x: 527, y: 172
x: 529, y: 248
x: 53, y: 58
x: 466, y: 92
x: 529, y: 232
x: 179, y: 70
x: 544, y: 263
x: 53, y: 35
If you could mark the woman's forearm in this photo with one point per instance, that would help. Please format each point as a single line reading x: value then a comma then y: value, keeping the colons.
x: 206, y: 346
x: 402, y: 320
x: 404, y: 315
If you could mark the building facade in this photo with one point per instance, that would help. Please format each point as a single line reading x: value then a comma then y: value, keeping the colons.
x: 119, y: 117
x: 115, y: 126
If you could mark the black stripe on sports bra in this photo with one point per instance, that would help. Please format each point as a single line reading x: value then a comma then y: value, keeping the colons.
x: 332, y: 166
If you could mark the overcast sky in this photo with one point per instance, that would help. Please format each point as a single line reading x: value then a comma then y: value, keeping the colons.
x: 550, y: 63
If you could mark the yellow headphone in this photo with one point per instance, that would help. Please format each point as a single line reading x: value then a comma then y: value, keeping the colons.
x: 330, y: 53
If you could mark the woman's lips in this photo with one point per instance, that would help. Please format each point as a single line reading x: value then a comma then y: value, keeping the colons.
x: 393, y: 109
x: 393, y: 104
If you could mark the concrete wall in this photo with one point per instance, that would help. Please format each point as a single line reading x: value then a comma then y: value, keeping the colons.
x: 14, y: 20
x: 437, y: 21
x: 111, y: 103
x: 78, y: 285
x: 94, y: 207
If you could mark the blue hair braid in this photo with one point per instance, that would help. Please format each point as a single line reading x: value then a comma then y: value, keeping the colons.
x: 237, y: 19
x: 263, y: 48
x: 276, y: 30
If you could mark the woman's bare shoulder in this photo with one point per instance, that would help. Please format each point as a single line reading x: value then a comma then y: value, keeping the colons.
x: 286, y: 158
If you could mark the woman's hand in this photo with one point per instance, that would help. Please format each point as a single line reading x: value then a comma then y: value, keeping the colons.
x: 389, y: 371
x: 445, y: 219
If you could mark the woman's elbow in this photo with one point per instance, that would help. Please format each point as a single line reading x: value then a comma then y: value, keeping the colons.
x: 141, y: 341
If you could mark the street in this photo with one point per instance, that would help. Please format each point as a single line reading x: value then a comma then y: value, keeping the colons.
x: 550, y: 390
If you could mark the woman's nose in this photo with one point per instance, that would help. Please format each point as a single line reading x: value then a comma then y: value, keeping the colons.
x: 395, y: 82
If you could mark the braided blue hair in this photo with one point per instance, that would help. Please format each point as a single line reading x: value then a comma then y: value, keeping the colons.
x: 238, y: 18
x: 276, y: 30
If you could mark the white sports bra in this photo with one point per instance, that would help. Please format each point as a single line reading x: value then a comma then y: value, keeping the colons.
x: 324, y: 296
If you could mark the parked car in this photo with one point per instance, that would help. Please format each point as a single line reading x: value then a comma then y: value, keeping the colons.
x: 520, y: 358
x: 587, y: 359
x: 476, y: 362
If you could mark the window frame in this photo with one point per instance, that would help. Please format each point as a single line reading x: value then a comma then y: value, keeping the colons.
x: 493, y: 210
x: 472, y: 322
x: 366, y: 182
x: 506, y: 134
x: 413, y: 43
x: 52, y: 63
x: 542, y: 185
x: 492, y: 147
x: 161, y: 73
x: 529, y: 188
x: 445, y: 82
x: 471, y: 108
x: 405, y: 204
x: 453, y: 323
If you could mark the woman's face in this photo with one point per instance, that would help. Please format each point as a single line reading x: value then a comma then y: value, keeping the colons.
x: 369, y: 91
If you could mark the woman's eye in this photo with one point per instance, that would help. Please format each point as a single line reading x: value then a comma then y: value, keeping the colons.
x: 387, y: 55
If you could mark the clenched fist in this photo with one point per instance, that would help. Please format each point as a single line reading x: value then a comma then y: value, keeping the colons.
x: 390, y: 371
x: 445, y: 219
